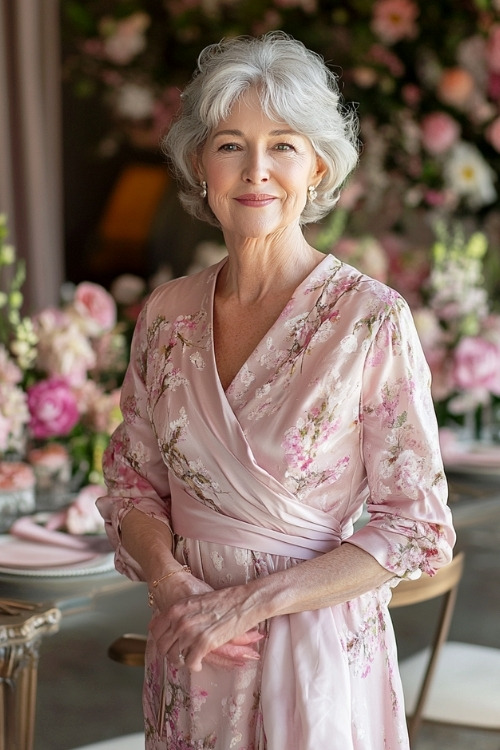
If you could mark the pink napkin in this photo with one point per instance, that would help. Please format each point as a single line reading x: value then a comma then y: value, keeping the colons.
x: 20, y: 554
x: 28, y: 529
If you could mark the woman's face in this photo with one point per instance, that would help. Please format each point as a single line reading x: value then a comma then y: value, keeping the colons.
x: 257, y: 171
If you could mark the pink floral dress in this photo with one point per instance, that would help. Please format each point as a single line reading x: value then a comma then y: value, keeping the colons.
x: 331, y: 411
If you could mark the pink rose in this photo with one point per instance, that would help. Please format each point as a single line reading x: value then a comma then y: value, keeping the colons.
x: 96, y: 307
x: 456, y: 87
x: 439, y: 132
x: 53, y: 408
x: 394, y: 20
x: 477, y: 364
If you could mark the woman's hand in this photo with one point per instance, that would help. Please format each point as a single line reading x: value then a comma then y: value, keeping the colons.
x: 195, y: 624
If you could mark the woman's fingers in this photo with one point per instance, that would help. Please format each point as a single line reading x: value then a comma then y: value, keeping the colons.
x: 228, y: 656
x: 181, y: 650
x: 251, y: 636
x: 193, y: 627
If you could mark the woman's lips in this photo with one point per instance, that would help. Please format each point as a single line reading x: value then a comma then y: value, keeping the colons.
x: 255, y: 200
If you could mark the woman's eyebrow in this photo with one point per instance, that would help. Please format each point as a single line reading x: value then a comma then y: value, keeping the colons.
x: 240, y: 134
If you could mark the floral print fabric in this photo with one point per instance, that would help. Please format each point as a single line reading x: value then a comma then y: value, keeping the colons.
x: 331, y: 412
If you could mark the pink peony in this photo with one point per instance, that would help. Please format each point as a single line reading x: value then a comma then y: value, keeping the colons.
x: 477, y: 364
x: 439, y: 132
x: 456, y: 87
x: 53, y: 408
x: 96, y: 307
x: 394, y: 20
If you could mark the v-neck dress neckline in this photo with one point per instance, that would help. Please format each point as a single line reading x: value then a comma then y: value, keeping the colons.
x: 296, y: 304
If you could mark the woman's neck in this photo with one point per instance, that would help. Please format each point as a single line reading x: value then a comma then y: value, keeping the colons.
x: 256, y: 268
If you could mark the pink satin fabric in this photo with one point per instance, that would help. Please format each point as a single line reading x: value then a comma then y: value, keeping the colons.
x: 331, y: 411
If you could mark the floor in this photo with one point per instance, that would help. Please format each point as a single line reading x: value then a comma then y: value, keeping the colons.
x: 84, y: 697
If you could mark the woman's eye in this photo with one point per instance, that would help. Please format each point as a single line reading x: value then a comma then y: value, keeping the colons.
x: 284, y: 147
x: 228, y: 147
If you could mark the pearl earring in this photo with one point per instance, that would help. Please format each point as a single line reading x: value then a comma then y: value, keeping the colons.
x: 312, y: 193
x: 203, y: 191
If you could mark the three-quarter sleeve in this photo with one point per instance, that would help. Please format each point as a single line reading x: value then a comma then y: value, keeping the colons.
x: 410, y: 528
x: 134, y: 471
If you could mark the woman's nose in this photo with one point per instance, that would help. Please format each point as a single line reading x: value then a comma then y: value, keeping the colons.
x: 256, y: 167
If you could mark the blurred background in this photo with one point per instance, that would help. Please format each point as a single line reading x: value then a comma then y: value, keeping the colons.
x: 88, y: 87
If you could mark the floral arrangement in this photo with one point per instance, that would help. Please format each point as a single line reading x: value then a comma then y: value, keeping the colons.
x: 425, y: 77
x: 60, y: 374
x: 460, y: 334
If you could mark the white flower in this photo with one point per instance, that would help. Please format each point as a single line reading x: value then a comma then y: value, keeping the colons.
x: 428, y: 328
x: 127, y: 289
x: 467, y: 173
x: 63, y: 349
x: 134, y: 102
x: 14, y: 415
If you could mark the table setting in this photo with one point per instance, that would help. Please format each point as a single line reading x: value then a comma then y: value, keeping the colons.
x: 66, y: 543
x: 476, y: 458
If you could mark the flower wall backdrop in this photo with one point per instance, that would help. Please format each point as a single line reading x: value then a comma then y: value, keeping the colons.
x: 422, y: 211
x: 425, y: 78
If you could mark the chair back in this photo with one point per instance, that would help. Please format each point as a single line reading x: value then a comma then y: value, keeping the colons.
x: 445, y: 584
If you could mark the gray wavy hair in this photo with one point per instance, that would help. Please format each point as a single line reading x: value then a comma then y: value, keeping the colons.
x: 294, y: 86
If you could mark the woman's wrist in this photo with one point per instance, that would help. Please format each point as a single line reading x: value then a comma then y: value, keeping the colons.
x: 157, y: 581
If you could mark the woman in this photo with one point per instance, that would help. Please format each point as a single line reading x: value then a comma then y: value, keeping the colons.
x: 266, y: 400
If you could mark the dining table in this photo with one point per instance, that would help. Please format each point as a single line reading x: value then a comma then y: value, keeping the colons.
x: 36, y: 594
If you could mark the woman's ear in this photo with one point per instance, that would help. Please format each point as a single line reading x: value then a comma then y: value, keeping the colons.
x: 321, y: 169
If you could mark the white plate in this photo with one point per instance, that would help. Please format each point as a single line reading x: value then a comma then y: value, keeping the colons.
x: 473, y: 458
x: 31, y: 560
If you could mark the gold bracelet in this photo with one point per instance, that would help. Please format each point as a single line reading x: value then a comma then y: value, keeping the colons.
x: 184, y: 569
